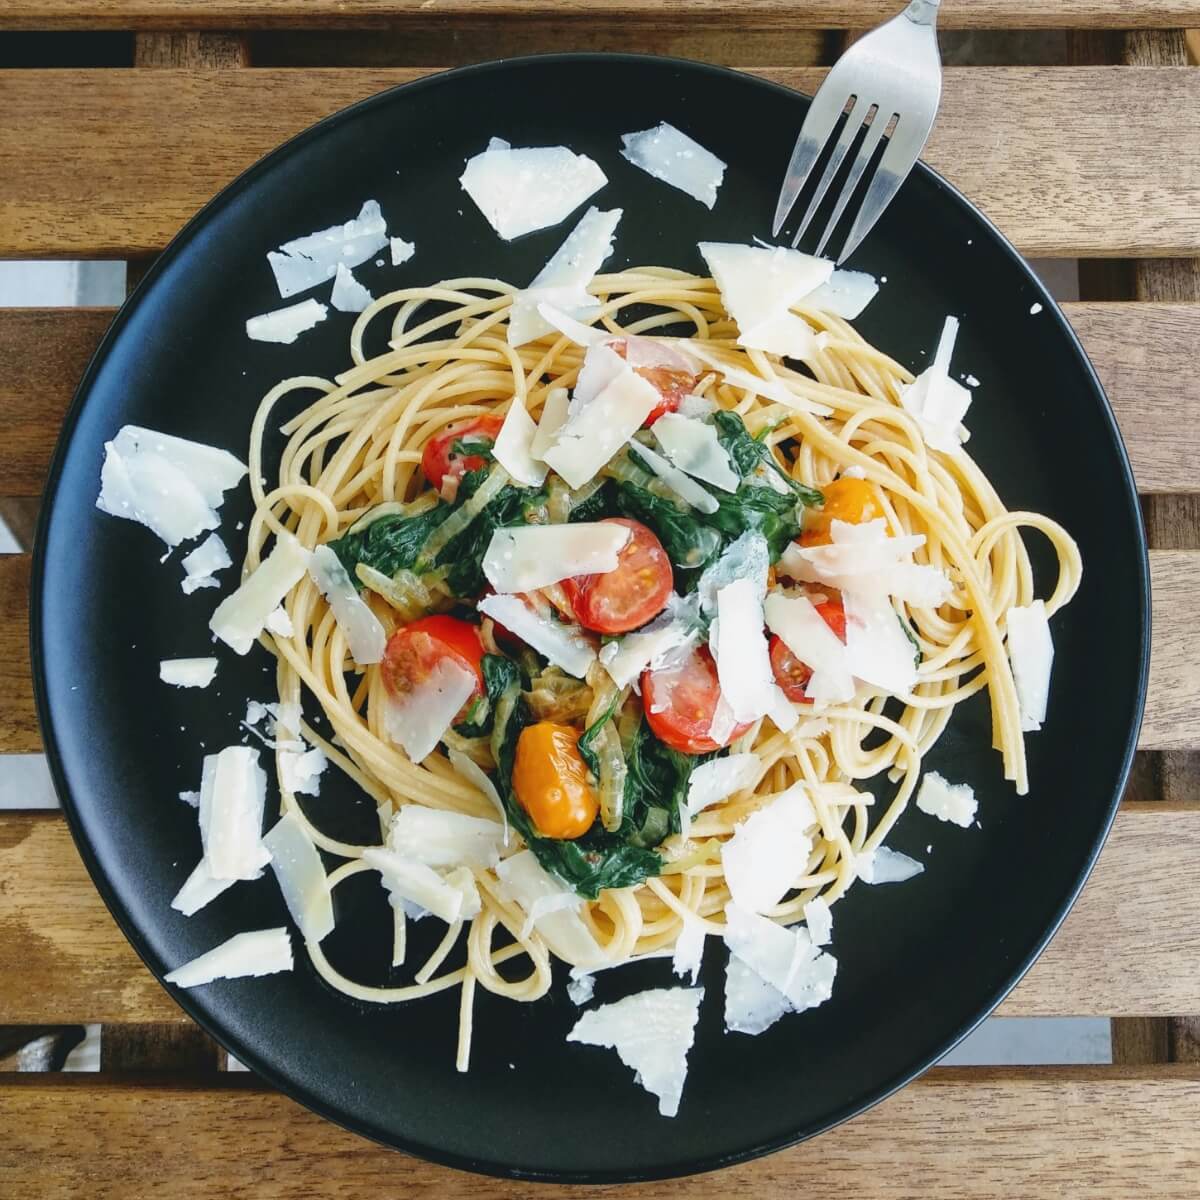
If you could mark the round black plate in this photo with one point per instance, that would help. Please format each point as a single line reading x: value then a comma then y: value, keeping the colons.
x: 919, y: 964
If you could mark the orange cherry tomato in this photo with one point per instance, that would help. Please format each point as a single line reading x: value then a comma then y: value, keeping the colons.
x: 846, y: 499
x: 671, y: 383
x: 633, y: 594
x: 415, y: 649
x: 791, y: 674
x: 552, y: 782
x: 679, y: 703
x: 441, y: 460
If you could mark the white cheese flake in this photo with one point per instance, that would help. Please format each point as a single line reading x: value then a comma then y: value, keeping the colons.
x: 772, y: 389
x: 877, y: 649
x: 752, y: 1005
x: 279, y: 623
x: 364, y: 634
x: 1031, y: 652
x: 526, y: 883
x: 689, y: 949
x: 818, y: 917
x: 665, y: 642
x: 305, y: 262
x: 953, y: 802
x: 713, y: 782
x: 566, y: 646
x: 453, y: 897
x: 579, y: 333
x: 938, y: 402
x: 401, y: 251
x: 241, y: 616
x: 200, y: 887
x: 693, y: 447
x: 188, y: 672
x: 348, y: 294
x: 652, y: 1033
x: 472, y: 772
x: 749, y: 557
x: 417, y: 720
x: 300, y: 771
x: 686, y: 488
x: 301, y: 877
x: 739, y: 648
x: 285, y: 325
x: 884, y: 865
x: 845, y: 294
x: 769, y: 850
x: 439, y: 838
x: 550, y: 421
x: 169, y: 484
x: 261, y: 952
x: 201, y: 565
x: 795, y: 620
x: 233, y: 793
x: 513, y: 448
x: 669, y: 154
x: 527, y: 557
x: 519, y: 191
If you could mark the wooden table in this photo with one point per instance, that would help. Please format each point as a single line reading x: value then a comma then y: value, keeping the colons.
x: 1098, y: 159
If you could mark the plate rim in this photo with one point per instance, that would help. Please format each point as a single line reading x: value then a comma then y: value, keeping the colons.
x: 307, y: 1096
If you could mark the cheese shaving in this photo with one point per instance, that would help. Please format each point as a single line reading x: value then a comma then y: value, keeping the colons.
x: 262, y: 952
x: 953, y: 802
x: 417, y: 720
x: 769, y: 850
x: 301, y: 877
x: 364, y: 634
x: 527, y: 557
x: 201, y: 565
x: 670, y: 155
x: 285, y: 325
x: 348, y: 294
x: 241, y: 617
x: 305, y: 262
x: 188, y: 672
x: 693, y: 447
x: 1031, y: 652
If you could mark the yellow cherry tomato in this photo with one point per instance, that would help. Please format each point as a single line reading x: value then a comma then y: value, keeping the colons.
x: 551, y: 781
x: 846, y: 499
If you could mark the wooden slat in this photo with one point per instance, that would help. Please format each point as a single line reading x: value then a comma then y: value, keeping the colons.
x: 811, y: 14
x: 1131, y: 945
x: 19, y: 733
x: 966, y: 1134
x: 1145, y: 354
x: 81, y: 152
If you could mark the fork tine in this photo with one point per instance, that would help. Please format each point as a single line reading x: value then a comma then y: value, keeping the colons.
x: 845, y: 138
x: 857, y: 167
x: 819, y: 122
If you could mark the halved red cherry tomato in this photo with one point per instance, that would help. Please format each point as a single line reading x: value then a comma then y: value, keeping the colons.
x: 679, y: 703
x: 672, y: 384
x: 790, y: 673
x: 415, y: 649
x: 635, y: 592
x: 441, y: 459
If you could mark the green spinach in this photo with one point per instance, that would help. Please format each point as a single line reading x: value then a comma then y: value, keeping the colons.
x: 748, y: 452
x: 500, y: 675
x: 389, y: 544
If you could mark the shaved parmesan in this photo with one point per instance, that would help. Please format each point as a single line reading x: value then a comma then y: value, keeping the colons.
x: 231, y: 813
x: 1031, y: 652
x: 285, y: 325
x: 472, y: 772
x: 773, y: 389
x: 553, y: 414
x: 884, y: 865
x: 364, y: 634
x: 200, y: 888
x: 568, y: 326
x: 300, y: 771
x: 598, y: 425
x: 565, y: 646
x: 524, y: 882
x: 696, y: 406
x: 519, y: 191
x: 417, y: 720
x: 803, y: 630
x: 752, y: 1005
x: 749, y: 557
x: 845, y: 294
x: 305, y: 262
x: 527, y: 557
x: 716, y: 780
x: 301, y: 876
x: 581, y: 987
x: 938, y: 402
x: 652, y: 1033
x: 953, y: 802
x: 279, y: 623
x: 513, y: 448
x: 203, y: 562
x: 439, y: 838
x: 401, y: 250
x: 170, y: 485
x: 348, y: 294
x: 665, y: 642
x: 787, y: 959
x: 262, y: 952
x: 670, y: 155
x: 819, y: 920
x: 759, y: 287
x: 562, y: 283
x: 689, y: 949
x: 452, y: 898
x: 188, y: 672
x: 693, y: 447
x: 740, y: 650
x: 240, y: 617
x: 769, y: 850
x: 877, y: 650
x: 687, y: 489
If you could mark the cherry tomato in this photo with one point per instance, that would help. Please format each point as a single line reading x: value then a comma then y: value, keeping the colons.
x: 790, y: 673
x: 846, y: 499
x: 551, y: 781
x: 635, y: 592
x: 671, y: 383
x: 415, y: 649
x: 679, y: 703
x: 440, y: 460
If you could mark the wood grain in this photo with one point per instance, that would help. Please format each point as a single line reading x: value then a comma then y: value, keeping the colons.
x: 967, y: 1134
x: 1130, y: 946
x: 112, y: 162
x: 19, y: 733
x: 812, y: 14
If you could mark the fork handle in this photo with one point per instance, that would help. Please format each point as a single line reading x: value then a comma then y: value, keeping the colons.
x: 922, y: 12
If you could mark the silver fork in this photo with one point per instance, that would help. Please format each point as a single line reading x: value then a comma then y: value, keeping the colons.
x: 895, y: 71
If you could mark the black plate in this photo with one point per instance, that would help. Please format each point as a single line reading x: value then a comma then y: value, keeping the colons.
x: 919, y: 964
